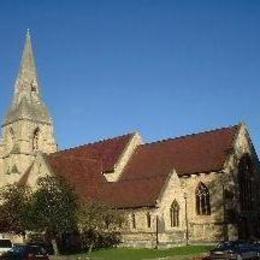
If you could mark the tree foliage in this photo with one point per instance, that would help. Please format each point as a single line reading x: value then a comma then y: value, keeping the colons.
x: 53, y: 207
x: 15, y: 202
x: 99, y: 225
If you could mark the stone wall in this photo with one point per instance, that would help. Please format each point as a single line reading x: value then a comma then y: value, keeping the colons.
x: 193, y: 228
x: 199, y: 228
x: 18, y: 153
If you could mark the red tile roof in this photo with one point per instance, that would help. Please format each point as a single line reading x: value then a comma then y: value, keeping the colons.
x: 197, y: 153
x: 84, y: 175
x: 147, y: 171
x: 132, y: 193
x: 107, y: 152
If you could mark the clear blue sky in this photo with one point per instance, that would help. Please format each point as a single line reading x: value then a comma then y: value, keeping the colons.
x: 163, y: 67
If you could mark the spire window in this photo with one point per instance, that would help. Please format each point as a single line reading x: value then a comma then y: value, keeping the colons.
x: 33, y: 87
x: 35, y: 142
x: 202, y: 200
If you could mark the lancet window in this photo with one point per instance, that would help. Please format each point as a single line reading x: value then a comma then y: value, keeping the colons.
x: 202, y: 200
x: 174, y: 214
x: 245, y: 170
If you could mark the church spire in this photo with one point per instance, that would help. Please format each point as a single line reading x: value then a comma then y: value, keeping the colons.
x: 27, y: 80
x: 27, y: 101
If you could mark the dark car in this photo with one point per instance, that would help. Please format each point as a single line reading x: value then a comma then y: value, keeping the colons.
x: 26, y: 252
x: 257, y: 248
x: 47, y: 246
x: 233, y: 250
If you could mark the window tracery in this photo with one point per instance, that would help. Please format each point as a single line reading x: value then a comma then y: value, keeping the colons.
x: 174, y: 214
x: 202, y: 200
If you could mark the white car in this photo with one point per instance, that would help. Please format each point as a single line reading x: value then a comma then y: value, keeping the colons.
x: 5, y: 245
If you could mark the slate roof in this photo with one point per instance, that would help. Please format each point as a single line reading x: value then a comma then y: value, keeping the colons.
x: 147, y: 171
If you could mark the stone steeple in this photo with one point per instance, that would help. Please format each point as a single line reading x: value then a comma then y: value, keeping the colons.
x: 27, y: 101
x: 28, y: 127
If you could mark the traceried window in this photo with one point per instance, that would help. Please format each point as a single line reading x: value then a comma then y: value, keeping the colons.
x: 174, y: 214
x: 148, y: 217
x: 133, y: 221
x: 245, y: 170
x: 202, y: 200
x: 35, y: 141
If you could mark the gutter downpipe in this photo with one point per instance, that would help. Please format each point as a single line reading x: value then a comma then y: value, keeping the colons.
x: 157, y: 232
x: 186, y: 220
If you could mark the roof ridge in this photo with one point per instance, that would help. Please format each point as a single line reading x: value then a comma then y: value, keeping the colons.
x: 192, y: 135
x: 92, y: 143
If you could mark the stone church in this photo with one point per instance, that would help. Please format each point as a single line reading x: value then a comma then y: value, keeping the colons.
x: 197, y: 188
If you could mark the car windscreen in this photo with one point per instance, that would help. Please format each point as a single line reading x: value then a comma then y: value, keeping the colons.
x: 5, y: 243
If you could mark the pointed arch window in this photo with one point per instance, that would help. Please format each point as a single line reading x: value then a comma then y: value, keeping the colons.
x: 148, y: 217
x: 174, y: 214
x: 133, y: 221
x: 35, y: 141
x: 202, y: 200
x: 245, y: 170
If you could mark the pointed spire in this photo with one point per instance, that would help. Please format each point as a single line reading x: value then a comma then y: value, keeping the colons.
x: 27, y: 101
x: 28, y: 57
x: 27, y: 79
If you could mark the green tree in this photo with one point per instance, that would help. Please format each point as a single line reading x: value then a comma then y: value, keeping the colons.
x: 99, y: 225
x: 53, y: 209
x: 15, y: 202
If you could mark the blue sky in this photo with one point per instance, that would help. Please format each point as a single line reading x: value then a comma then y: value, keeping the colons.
x: 163, y: 67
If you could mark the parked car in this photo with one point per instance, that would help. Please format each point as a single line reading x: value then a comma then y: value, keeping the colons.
x: 5, y: 245
x: 257, y: 248
x: 47, y: 246
x: 25, y: 252
x: 230, y: 250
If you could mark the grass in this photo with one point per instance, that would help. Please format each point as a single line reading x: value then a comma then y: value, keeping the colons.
x: 138, y: 254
